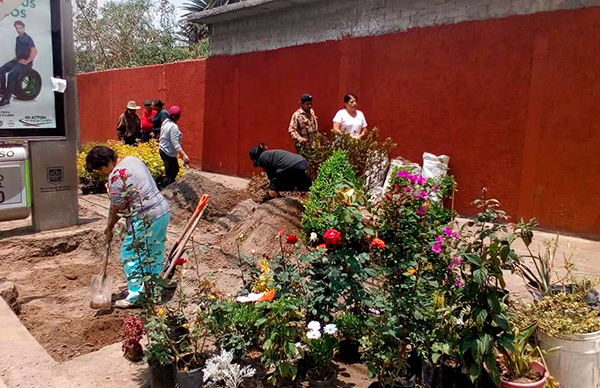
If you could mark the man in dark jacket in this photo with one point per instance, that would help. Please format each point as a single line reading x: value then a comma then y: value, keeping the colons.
x: 25, y: 53
x: 286, y: 170
x: 129, y: 128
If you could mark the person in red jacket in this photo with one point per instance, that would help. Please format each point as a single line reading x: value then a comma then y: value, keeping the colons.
x: 146, y: 121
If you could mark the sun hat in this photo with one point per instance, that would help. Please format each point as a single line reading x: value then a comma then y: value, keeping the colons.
x: 175, y: 111
x: 132, y: 105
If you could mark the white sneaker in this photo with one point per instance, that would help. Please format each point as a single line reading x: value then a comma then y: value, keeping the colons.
x: 125, y: 304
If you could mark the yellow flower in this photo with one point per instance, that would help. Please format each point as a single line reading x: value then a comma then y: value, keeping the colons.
x: 212, y: 297
x: 185, y: 326
x: 411, y: 271
x: 161, y: 311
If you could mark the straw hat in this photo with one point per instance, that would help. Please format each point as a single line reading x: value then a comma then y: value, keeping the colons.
x: 132, y: 105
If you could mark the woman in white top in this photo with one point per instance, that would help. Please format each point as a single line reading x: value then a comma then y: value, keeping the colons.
x: 350, y: 120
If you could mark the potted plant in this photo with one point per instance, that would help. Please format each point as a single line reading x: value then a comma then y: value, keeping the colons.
x: 321, y: 345
x: 133, y: 330
x: 566, y: 322
x: 517, y: 364
x: 220, y: 371
x: 160, y: 352
x: 350, y: 329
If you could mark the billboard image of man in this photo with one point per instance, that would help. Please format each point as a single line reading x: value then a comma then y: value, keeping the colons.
x: 25, y: 53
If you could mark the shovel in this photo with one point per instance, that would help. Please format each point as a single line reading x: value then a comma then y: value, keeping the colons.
x: 101, y: 288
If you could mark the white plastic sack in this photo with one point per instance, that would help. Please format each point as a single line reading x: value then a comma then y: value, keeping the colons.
x: 375, y: 178
x: 435, y: 166
x: 398, y: 162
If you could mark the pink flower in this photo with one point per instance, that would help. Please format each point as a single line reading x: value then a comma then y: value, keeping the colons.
x: 424, y: 194
x: 407, y: 189
x: 451, y: 267
x: 421, y: 211
x: 374, y: 311
x: 454, y: 235
x: 437, y: 248
x: 447, y: 231
x: 413, y: 178
x: 402, y: 174
x: 439, y: 239
x: 435, y: 188
x: 281, y: 233
x: 458, y: 283
x: 422, y: 180
x: 457, y: 261
x: 123, y: 173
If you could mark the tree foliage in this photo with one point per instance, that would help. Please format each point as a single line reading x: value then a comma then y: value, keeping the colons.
x: 129, y: 33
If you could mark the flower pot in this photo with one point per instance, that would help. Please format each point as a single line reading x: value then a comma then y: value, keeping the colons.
x: 134, y: 353
x: 163, y: 376
x: 536, y: 366
x: 577, y: 363
x: 349, y: 351
x: 377, y: 384
x: 191, y: 378
x: 442, y: 376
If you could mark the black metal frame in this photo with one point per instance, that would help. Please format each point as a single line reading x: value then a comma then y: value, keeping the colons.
x: 59, y: 99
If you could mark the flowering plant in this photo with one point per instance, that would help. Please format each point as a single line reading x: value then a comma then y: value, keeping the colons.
x: 222, y: 372
x: 321, y: 345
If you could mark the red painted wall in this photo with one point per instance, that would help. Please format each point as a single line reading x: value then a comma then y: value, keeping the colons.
x: 513, y: 102
x: 103, y: 96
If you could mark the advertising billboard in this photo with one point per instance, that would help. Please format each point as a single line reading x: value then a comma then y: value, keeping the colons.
x: 29, y: 58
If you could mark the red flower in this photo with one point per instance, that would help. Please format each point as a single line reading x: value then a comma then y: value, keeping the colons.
x: 322, y: 246
x: 332, y: 237
x: 291, y: 239
x: 181, y: 261
x: 123, y: 173
x: 378, y: 243
x: 281, y: 233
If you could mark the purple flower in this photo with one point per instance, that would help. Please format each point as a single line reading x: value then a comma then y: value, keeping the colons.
x: 439, y: 239
x: 437, y: 248
x: 457, y: 261
x: 408, y: 189
x: 424, y: 194
x: 435, y: 188
x: 402, y: 174
x: 458, y: 283
x: 421, y: 180
x: 447, y: 231
x: 421, y: 211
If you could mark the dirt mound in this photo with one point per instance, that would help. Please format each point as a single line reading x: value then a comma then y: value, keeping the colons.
x: 262, y: 227
x: 185, y: 194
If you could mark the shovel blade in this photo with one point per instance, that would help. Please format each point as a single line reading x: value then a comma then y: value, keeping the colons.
x: 101, y: 292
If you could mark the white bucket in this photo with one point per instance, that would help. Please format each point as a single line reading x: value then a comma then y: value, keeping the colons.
x: 577, y: 363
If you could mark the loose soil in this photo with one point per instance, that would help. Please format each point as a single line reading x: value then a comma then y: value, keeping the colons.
x: 53, y: 270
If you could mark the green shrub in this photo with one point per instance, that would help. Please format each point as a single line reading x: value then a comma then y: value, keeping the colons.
x: 362, y: 154
x: 335, y: 174
x: 146, y: 152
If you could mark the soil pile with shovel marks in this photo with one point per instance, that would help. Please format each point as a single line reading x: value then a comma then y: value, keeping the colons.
x: 184, y: 195
x: 52, y: 272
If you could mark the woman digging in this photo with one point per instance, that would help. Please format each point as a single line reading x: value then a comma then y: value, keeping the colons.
x: 134, y: 195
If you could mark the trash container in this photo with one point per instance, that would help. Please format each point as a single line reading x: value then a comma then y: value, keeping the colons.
x: 15, y: 187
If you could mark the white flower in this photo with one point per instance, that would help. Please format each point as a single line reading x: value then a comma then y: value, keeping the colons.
x: 330, y: 329
x: 313, y: 334
x: 252, y: 297
x: 313, y: 237
x: 460, y: 322
x: 300, y: 345
x: 253, y: 252
x: 314, y: 326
